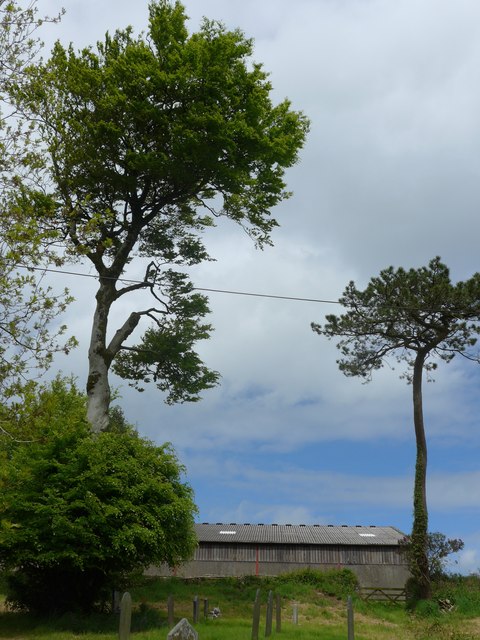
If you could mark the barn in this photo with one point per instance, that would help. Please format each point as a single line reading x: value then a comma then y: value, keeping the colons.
x: 372, y: 553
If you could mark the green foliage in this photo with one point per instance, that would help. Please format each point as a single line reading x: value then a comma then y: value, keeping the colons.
x: 427, y: 609
x: 27, y: 309
x: 462, y: 591
x: 401, y: 312
x: 165, y: 124
x: 416, y: 317
x: 27, y: 313
x: 319, y: 616
x: 439, y: 548
x: 239, y: 592
x: 333, y: 582
x: 413, y: 593
x: 38, y: 412
x: 166, y: 352
x: 19, y: 46
x: 149, y: 139
x: 82, y: 512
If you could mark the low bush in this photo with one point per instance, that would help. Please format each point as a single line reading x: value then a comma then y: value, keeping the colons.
x: 462, y: 591
x: 427, y: 609
x: 338, y: 583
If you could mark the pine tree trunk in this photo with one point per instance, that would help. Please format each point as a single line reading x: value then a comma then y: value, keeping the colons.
x: 419, y: 556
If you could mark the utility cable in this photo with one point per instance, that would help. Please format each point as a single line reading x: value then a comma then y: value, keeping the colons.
x: 210, y: 290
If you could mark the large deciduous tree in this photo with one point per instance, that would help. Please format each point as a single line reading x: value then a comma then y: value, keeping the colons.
x: 28, y: 337
x: 417, y: 317
x: 150, y: 139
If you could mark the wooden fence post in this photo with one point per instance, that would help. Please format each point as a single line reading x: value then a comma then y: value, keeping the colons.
x: 170, y: 608
x: 351, y: 633
x: 278, y: 613
x: 205, y: 608
x: 195, y: 610
x: 268, y: 623
x: 256, y: 616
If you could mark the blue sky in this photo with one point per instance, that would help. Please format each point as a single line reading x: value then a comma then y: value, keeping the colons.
x: 390, y: 175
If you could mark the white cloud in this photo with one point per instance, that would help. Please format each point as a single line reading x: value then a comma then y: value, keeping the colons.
x: 467, y: 562
x: 448, y: 492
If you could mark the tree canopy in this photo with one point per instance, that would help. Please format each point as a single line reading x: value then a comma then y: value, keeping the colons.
x: 29, y: 335
x: 439, y: 548
x: 80, y: 512
x: 417, y: 317
x: 150, y: 139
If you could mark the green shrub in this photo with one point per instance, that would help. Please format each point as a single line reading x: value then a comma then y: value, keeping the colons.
x: 427, y: 609
x: 83, y: 511
x: 412, y: 594
x: 462, y: 591
x: 339, y: 583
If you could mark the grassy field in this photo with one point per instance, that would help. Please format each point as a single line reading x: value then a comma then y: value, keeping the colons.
x: 322, y: 613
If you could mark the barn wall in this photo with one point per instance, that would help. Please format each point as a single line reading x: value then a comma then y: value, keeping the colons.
x: 373, y: 566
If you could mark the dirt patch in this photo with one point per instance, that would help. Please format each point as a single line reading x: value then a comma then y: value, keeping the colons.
x: 473, y: 626
x: 362, y: 618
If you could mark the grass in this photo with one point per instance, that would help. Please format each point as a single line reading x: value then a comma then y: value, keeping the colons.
x: 321, y: 612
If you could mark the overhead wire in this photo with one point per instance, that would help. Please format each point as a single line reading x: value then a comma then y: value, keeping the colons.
x: 210, y: 290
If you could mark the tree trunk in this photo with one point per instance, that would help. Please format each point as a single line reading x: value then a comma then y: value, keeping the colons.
x: 101, y: 354
x: 419, y: 556
x: 99, y: 360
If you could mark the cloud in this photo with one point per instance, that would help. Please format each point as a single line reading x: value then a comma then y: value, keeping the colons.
x: 446, y: 491
x: 467, y: 561
x: 318, y: 489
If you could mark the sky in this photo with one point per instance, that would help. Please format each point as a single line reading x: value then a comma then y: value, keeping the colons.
x: 390, y: 175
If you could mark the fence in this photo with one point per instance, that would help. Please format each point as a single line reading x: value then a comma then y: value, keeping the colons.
x: 273, y: 602
x: 383, y: 594
x: 277, y: 602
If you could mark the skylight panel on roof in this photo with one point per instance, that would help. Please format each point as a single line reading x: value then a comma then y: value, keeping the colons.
x: 367, y: 535
x: 228, y: 533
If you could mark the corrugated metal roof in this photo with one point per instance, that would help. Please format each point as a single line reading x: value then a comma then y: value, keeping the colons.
x: 298, y: 534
